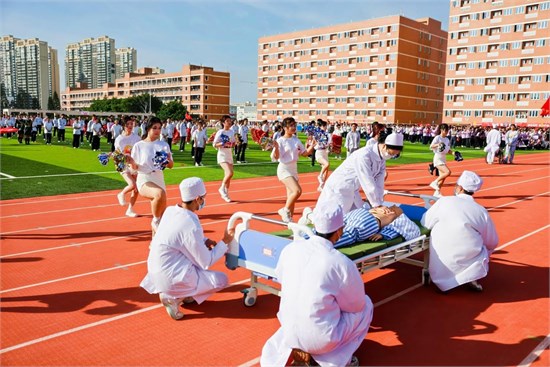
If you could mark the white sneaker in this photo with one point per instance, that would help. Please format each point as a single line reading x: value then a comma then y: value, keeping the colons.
x: 223, y: 194
x: 172, y: 307
x: 304, y: 219
x: 120, y: 197
x: 285, y: 215
x: 131, y: 213
x: 437, y: 194
x: 320, y: 188
x: 197, y: 165
x: 434, y: 185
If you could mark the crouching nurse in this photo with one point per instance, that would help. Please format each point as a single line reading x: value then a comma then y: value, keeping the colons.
x: 180, y: 256
x: 324, y: 312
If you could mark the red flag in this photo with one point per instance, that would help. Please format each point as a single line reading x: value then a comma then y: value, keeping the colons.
x: 188, y: 116
x: 545, y: 110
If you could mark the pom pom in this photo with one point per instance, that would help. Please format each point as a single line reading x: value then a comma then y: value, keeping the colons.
x: 103, y: 158
x: 119, y: 159
x: 160, y: 161
x: 266, y: 143
x: 224, y: 139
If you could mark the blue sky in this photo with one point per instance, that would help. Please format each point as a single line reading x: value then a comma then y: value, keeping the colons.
x: 222, y: 34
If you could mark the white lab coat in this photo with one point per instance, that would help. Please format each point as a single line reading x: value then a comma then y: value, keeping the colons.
x: 179, y: 260
x: 364, y: 169
x: 462, y: 239
x: 493, y: 143
x: 324, y: 310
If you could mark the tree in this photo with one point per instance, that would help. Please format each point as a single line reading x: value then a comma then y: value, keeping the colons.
x: 4, y: 103
x: 173, y: 110
x: 140, y: 103
x: 56, y: 102
x: 50, y: 104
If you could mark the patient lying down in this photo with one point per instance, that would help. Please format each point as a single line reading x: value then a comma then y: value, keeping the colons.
x: 364, y: 224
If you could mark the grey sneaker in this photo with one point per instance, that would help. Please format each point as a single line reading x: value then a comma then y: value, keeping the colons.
x: 354, y: 362
x: 285, y: 215
x: 172, y: 307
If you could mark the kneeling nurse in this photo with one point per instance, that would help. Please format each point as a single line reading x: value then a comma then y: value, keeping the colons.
x: 180, y: 255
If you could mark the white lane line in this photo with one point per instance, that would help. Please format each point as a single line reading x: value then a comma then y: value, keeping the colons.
x: 249, y: 363
x: 395, y: 170
x: 93, y: 324
x: 249, y: 190
x: 118, y: 267
x: 124, y: 217
x: 535, y: 353
x: 526, y: 362
x: 522, y: 237
x: 115, y: 172
x: 215, y: 222
x: 6, y: 175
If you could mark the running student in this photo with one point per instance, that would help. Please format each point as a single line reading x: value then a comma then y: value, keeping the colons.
x: 287, y: 149
x: 323, y: 141
x: 441, y: 146
x: 150, y: 178
x: 224, y: 140
x: 124, y: 144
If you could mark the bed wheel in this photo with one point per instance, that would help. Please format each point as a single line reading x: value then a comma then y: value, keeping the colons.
x: 426, y: 277
x: 249, y: 296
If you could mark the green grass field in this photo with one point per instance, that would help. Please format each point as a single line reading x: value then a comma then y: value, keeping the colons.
x: 41, y: 170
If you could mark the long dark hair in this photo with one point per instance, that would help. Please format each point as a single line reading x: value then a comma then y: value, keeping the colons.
x: 149, y: 124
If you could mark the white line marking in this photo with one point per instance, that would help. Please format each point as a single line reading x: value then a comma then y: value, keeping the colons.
x: 118, y: 267
x: 7, y: 176
x: 535, y: 353
x: 522, y: 237
x: 93, y: 324
x: 105, y: 321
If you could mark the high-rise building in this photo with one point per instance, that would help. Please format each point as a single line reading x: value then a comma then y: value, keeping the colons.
x: 126, y: 61
x: 497, y: 62
x: 204, y: 91
x: 389, y: 69
x: 29, y: 71
x: 90, y: 62
x: 7, y: 66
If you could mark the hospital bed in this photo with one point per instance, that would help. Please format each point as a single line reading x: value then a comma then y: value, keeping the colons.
x: 259, y: 252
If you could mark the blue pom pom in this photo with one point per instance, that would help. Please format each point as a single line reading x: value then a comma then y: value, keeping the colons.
x: 103, y: 158
x: 160, y: 161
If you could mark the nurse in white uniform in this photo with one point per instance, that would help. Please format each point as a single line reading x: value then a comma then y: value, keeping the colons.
x: 324, y: 312
x: 180, y: 256
x: 463, y: 236
x: 365, y: 169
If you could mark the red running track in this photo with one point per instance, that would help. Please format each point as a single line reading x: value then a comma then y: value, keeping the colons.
x: 71, y: 267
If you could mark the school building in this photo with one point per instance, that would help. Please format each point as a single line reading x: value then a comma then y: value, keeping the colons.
x: 497, y: 62
x: 204, y: 91
x: 389, y: 69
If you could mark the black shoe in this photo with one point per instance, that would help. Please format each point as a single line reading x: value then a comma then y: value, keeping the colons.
x: 431, y: 168
x: 475, y: 286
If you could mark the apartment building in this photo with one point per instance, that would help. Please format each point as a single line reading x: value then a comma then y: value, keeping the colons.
x: 204, y: 91
x: 90, y: 62
x: 497, y: 62
x: 29, y: 66
x: 389, y: 69
x: 126, y: 61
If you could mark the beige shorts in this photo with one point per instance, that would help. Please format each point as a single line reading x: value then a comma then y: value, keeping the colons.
x: 321, y: 155
x: 225, y: 156
x: 285, y: 170
x: 156, y: 177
